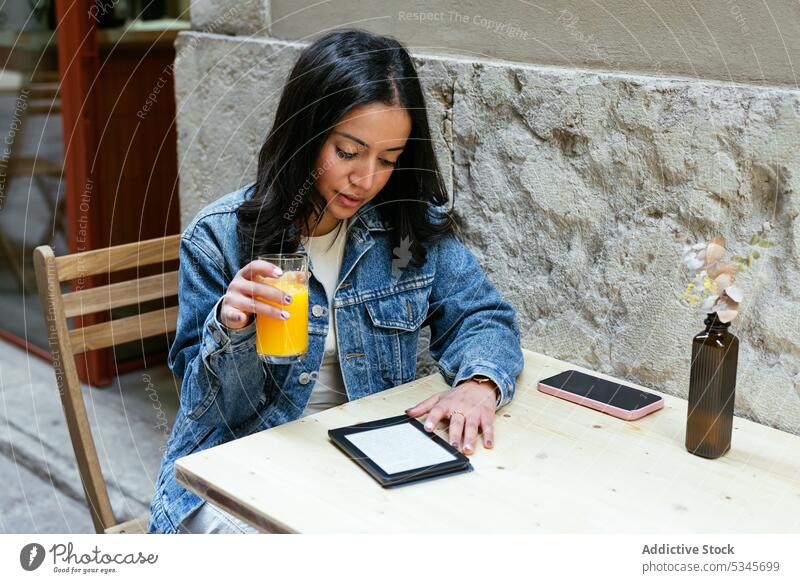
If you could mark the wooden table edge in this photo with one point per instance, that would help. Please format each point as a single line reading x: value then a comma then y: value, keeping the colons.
x: 191, y: 482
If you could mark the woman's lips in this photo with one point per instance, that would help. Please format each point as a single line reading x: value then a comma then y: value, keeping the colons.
x: 347, y: 200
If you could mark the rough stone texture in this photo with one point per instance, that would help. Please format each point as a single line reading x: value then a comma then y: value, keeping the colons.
x: 239, y: 17
x: 226, y: 92
x: 572, y: 184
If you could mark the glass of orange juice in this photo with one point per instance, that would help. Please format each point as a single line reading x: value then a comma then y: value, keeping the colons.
x: 285, y: 341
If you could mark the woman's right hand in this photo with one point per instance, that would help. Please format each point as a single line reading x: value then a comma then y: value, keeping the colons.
x: 239, y: 303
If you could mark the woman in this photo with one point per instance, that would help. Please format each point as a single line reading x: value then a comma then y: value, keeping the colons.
x: 347, y: 174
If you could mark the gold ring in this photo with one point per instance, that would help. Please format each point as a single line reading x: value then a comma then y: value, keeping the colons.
x: 457, y: 412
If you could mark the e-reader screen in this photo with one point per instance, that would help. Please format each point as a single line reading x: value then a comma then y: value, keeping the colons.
x: 399, y: 448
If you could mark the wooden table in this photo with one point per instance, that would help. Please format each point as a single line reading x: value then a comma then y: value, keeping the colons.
x: 555, y: 467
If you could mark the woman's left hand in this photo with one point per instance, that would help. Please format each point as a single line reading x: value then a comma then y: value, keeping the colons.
x: 470, y: 407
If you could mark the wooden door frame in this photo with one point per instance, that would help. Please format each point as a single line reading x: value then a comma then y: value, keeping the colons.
x: 79, y: 65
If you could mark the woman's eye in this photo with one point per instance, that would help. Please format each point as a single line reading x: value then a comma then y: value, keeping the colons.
x: 345, y: 155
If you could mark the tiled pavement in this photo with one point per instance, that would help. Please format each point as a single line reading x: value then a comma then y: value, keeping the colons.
x: 40, y: 489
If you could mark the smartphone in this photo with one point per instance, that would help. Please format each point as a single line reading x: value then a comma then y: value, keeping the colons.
x: 607, y: 396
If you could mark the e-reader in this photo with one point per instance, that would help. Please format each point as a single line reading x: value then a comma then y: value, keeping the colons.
x: 397, y: 451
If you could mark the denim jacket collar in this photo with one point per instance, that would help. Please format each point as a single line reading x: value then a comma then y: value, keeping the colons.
x: 367, y: 218
x: 370, y: 217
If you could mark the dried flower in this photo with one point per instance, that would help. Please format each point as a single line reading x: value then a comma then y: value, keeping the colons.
x: 712, y: 287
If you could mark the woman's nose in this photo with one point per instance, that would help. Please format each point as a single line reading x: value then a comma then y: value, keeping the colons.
x: 364, y: 176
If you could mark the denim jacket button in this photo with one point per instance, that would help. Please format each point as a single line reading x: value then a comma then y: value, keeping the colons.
x: 304, y: 378
x: 317, y: 310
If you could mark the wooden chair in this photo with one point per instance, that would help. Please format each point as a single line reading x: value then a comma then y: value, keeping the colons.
x: 51, y: 271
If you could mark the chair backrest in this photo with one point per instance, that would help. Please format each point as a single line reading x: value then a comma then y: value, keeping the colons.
x: 65, y: 343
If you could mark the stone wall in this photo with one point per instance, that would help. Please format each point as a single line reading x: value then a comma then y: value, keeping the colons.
x: 572, y: 184
x: 731, y: 40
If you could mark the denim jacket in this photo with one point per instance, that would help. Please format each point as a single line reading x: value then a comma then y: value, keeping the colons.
x: 228, y: 393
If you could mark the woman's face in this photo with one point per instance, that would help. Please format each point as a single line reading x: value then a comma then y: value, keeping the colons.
x: 357, y: 159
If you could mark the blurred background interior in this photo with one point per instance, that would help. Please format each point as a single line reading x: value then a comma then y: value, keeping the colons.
x: 87, y: 160
x: 107, y: 77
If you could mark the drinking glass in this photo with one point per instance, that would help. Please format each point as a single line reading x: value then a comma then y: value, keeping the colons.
x: 285, y: 341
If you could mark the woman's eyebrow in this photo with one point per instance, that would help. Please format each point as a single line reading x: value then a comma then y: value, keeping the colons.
x: 362, y: 142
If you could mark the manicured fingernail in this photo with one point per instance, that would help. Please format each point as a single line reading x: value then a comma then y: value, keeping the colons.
x: 467, y: 447
x: 284, y: 314
x: 454, y: 444
x: 287, y: 299
x: 429, y: 426
x: 488, y: 443
x: 278, y: 271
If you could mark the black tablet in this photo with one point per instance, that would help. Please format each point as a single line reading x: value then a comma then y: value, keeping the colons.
x: 397, y: 451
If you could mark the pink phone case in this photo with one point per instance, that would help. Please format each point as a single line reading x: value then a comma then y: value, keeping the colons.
x: 602, y: 407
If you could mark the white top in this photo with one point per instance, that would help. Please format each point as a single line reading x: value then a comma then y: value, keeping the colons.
x: 326, y: 253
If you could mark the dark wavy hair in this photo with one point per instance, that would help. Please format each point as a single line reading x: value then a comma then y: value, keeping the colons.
x: 341, y: 70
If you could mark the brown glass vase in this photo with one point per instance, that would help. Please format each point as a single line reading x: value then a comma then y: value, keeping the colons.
x: 712, y: 386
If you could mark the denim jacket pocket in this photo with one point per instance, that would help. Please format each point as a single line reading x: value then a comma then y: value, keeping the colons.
x: 401, y: 311
x: 396, y: 320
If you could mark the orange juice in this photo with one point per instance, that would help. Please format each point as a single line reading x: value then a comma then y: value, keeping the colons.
x: 276, y: 337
